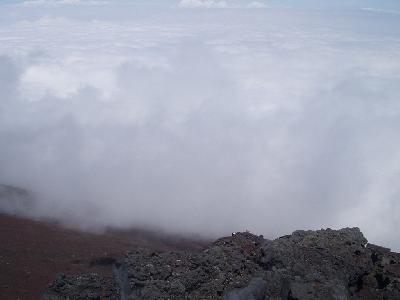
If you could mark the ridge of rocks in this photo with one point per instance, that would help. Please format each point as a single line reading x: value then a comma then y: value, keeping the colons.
x: 322, y: 264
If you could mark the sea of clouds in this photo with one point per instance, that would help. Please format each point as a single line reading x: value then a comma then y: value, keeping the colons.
x: 203, y: 117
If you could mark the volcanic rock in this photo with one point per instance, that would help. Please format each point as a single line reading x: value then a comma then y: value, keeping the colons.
x: 323, y: 264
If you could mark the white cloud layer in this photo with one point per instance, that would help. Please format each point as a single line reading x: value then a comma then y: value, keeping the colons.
x: 220, y: 4
x: 205, y: 121
x: 203, y: 3
x: 382, y: 11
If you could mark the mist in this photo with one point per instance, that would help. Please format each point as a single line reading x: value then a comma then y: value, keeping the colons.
x: 203, y: 119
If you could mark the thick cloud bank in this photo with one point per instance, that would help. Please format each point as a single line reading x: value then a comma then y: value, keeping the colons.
x: 207, y: 121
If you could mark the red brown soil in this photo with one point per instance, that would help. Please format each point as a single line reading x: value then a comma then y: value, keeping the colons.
x: 32, y: 253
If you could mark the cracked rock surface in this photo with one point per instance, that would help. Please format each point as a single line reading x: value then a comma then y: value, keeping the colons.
x: 323, y: 264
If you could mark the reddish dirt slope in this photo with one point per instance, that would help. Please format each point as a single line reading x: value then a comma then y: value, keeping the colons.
x: 32, y: 253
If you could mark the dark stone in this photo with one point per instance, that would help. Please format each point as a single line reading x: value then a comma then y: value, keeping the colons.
x: 306, y: 265
x: 103, y: 261
x: 90, y: 286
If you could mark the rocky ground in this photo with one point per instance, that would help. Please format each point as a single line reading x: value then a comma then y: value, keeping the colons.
x: 137, y: 264
x: 324, y: 264
x: 34, y: 252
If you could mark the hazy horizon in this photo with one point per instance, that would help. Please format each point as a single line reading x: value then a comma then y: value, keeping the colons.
x: 205, y: 116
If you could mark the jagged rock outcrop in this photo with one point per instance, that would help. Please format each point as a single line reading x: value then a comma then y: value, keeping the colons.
x: 90, y: 286
x: 323, y: 264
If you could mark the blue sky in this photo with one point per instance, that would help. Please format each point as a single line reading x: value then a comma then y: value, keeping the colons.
x: 384, y: 4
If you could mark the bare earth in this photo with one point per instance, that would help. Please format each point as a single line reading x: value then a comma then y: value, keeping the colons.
x: 32, y: 253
